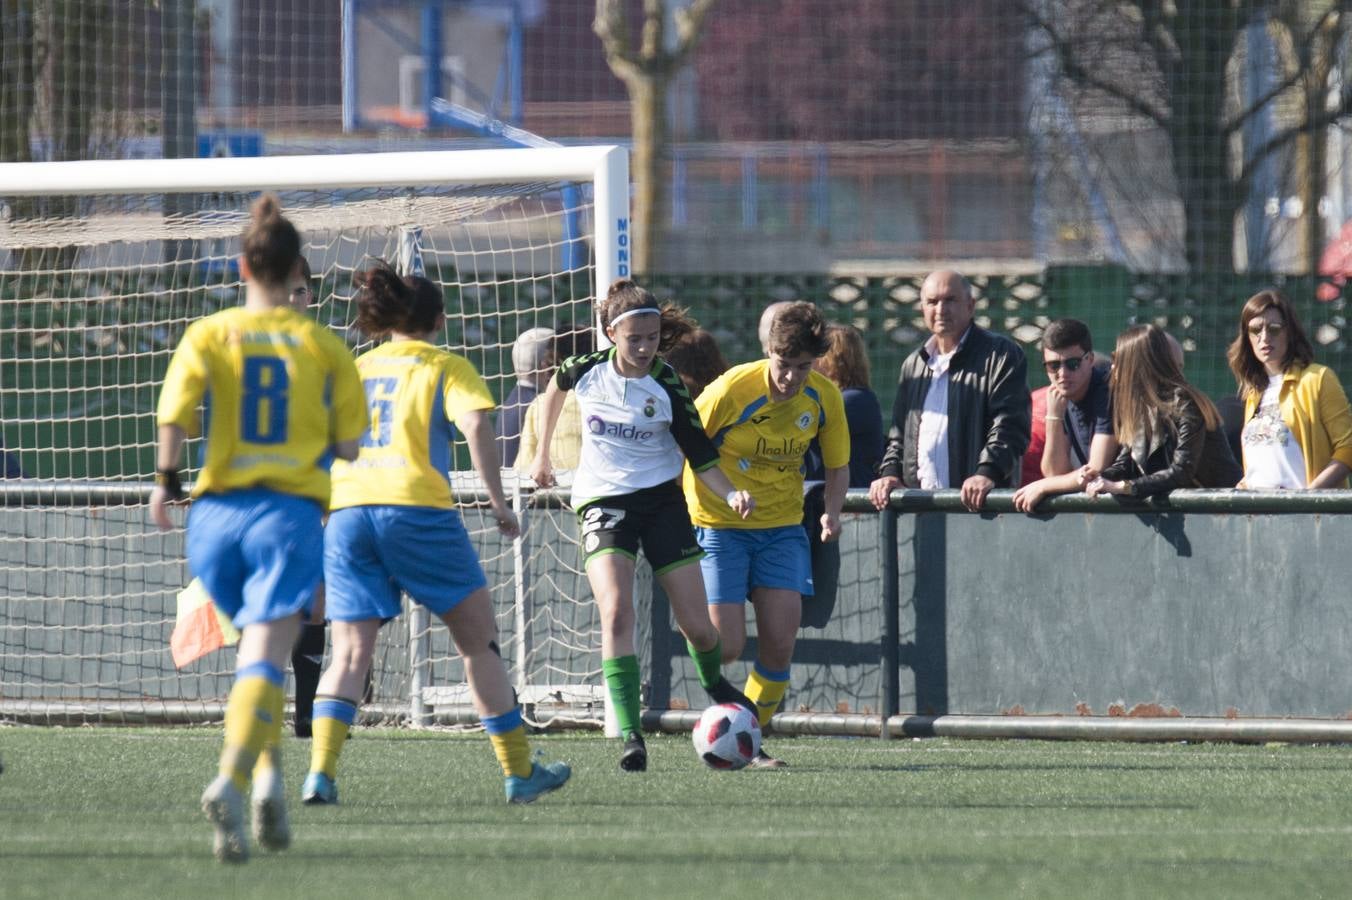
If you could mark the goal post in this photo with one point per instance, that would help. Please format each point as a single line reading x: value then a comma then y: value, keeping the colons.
x: 100, y: 273
x: 605, y: 168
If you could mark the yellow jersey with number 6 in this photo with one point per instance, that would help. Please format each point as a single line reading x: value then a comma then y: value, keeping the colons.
x: 414, y: 391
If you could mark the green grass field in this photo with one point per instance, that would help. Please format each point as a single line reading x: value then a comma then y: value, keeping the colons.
x: 113, y: 813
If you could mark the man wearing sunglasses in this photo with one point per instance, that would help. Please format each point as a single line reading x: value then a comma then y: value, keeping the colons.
x: 1079, y: 420
x: 960, y: 419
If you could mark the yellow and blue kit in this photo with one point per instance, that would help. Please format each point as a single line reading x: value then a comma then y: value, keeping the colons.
x: 394, y: 527
x: 761, y: 444
x: 414, y: 392
x: 279, y: 391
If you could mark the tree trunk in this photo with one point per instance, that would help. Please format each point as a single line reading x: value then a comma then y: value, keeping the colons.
x: 1208, y: 196
x: 178, y: 108
x: 74, y: 28
x: 648, y: 119
x: 1313, y: 147
x: 1206, y: 38
x: 1308, y: 155
x: 75, y: 34
x: 16, y: 80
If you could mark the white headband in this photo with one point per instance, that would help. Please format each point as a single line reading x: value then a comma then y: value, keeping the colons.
x: 642, y: 310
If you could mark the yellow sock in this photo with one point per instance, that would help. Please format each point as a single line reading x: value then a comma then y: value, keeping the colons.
x: 766, y: 689
x: 333, y: 720
x: 513, y: 751
x: 508, y: 735
x: 253, y: 715
x: 270, y: 757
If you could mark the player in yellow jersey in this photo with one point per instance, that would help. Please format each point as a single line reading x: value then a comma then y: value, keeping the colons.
x: 762, y: 416
x: 281, y: 398
x: 640, y: 429
x: 394, y: 528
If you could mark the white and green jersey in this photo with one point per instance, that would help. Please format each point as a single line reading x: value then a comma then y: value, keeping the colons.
x: 636, y: 432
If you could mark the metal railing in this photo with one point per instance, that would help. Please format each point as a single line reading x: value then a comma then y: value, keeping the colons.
x: 976, y: 621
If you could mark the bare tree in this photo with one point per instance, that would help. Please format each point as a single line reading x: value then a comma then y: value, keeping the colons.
x: 64, y: 68
x: 860, y: 70
x: 49, y: 86
x: 17, y: 65
x: 646, y: 69
x: 1173, y: 62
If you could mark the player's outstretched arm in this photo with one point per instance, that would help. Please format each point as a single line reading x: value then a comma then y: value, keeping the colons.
x: 551, y: 404
x: 483, y: 453
x: 741, y: 502
x: 168, y: 451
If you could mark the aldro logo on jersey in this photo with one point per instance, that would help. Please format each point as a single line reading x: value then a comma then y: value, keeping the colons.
x: 599, y: 426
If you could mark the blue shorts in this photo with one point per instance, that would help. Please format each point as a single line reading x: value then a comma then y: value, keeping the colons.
x: 372, y: 553
x: 739, y: 559
x: 257, y: 552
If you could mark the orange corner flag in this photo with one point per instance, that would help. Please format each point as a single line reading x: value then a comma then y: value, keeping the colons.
x: 199, y: 626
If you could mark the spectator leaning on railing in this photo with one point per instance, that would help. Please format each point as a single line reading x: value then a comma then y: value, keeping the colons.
x: 1297, y: 425
x: 961, y: 413
x: 1031, y: 467
x: 846, y: 365
x: 1078, y: 414
x: 1170, y: 433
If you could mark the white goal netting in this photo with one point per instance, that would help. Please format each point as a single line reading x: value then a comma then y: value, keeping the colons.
x: 95, y: 292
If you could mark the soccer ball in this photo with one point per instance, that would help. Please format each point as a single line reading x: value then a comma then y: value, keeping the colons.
x: 727, y: 736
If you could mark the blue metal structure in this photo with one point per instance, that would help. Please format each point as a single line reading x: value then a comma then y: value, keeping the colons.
x: 442, y: 113
x: 509, y: 88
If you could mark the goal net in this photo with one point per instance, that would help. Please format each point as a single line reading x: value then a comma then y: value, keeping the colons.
x: 102, y: 267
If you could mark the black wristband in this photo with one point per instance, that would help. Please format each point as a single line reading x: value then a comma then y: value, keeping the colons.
x: 168, y: 479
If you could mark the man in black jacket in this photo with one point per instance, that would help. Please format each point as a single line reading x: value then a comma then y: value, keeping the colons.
x: 961, y: 416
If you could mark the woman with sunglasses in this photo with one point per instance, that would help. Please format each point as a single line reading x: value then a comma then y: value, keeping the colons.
x: 1297, y: 425
x: 1169, y: 431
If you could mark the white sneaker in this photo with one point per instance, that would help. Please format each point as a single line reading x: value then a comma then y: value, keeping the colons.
x: 271, y: 828
x: 224, y: 808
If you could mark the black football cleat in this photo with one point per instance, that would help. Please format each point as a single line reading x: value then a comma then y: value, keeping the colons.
x: 635, y: 755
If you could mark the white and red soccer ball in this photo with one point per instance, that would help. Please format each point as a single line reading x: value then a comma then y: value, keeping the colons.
x: 727, y: 736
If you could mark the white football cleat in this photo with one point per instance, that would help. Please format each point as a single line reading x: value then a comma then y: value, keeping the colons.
x: 271, y: 828
x: 224, y: 809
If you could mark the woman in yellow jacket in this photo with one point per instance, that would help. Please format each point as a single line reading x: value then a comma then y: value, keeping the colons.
x: 1297, y: 424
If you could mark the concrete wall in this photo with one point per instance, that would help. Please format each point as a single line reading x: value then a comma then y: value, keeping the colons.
x: 1205, y: 612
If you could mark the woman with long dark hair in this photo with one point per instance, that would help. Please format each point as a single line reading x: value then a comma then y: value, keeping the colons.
x: 395, y: 530
x: 1169, y: 432
x: 1297, y: 425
